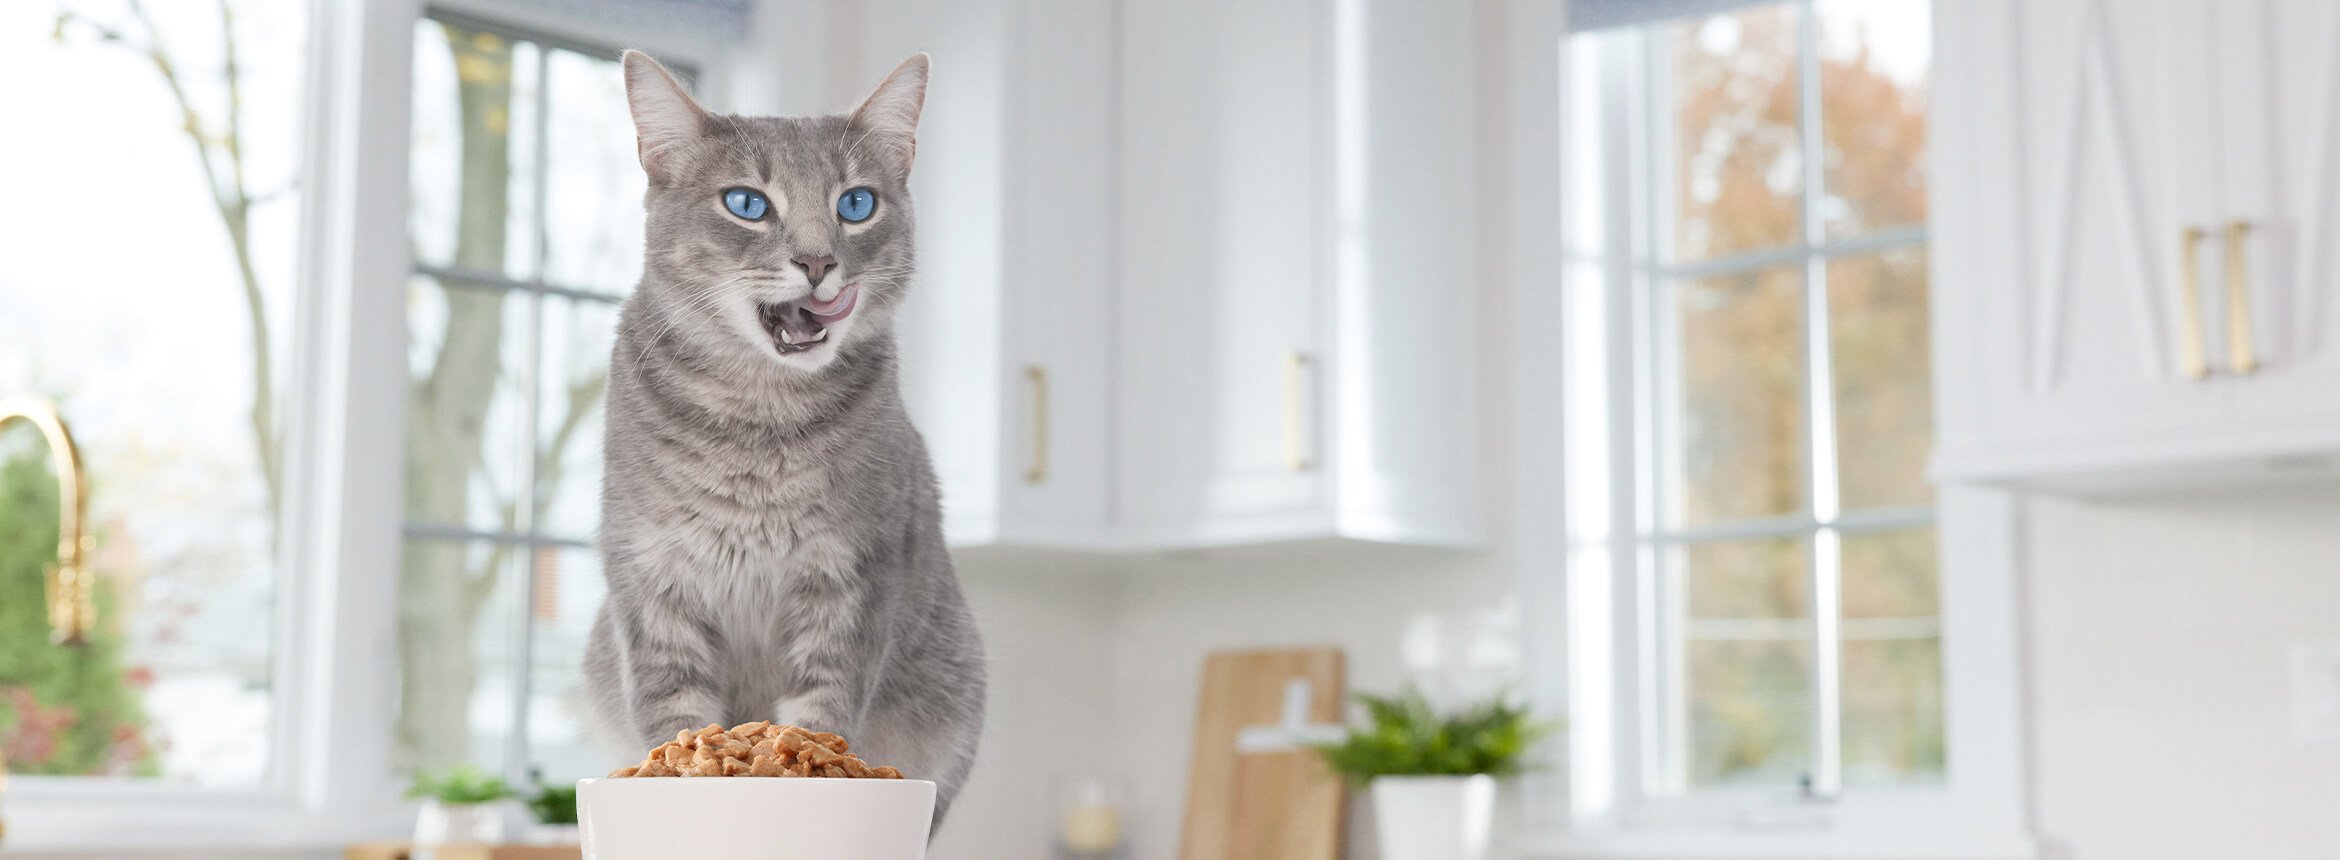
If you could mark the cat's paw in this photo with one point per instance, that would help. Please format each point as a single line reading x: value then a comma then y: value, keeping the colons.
x: 660, y: 729
x: 807, y: 712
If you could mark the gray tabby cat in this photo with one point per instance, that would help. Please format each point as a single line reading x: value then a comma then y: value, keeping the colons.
x: 771, y: 529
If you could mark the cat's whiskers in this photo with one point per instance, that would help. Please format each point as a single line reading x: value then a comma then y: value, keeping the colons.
x: 889, y: 274
x: 731, y: 288
x: 853, y: 153
x: 660, y: 337
x: 744, y: 155
x: 679, y: 247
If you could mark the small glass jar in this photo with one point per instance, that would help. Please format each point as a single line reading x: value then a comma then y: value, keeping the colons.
x: 1088, y: 820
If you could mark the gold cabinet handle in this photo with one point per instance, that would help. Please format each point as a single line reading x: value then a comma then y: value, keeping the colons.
x: 1295, y: 429
x: 2194, y: 359
x: 2242, y: 353
x: 1037, y: 471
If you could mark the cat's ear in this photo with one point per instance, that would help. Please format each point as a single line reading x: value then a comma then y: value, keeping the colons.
x: 886, y: 123
x: 666, y: 119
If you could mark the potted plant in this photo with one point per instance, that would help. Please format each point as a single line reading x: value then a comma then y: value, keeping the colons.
x: 460, y: 806
x: 1433, y: 777
x: 555, y: 810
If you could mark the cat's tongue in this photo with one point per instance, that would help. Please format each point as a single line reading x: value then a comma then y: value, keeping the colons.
x: 829, y: 312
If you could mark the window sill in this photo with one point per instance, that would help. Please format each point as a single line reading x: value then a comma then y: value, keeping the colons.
x: 1760, y: 845
x: 147, y: 827
x: 1879, y: 823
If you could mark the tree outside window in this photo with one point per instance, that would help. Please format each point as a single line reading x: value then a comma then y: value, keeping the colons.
x: 525, y: 221
x: 155, y: 312
x: 1780, y: 258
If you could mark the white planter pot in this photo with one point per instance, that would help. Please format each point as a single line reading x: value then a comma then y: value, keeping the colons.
x: 449, y: 824
x: 1434, y: 817
x: 553, y: 834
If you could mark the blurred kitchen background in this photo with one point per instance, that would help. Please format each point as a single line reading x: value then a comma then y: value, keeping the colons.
x: 1864, y: 428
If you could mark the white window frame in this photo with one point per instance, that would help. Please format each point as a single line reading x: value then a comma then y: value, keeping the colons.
x: 1593, y: 667
x: 527, y: 534
x: 329, y: 781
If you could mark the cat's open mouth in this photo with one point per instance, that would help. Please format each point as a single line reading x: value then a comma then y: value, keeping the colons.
x: 803, y: 324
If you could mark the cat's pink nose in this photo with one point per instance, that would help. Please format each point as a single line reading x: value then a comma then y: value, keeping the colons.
x: 814, y: 267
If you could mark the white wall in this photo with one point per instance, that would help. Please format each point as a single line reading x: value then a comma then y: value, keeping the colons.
x: 1097, y: 664
x: 1174, y: 611
x: 2159, y: 636
x: 1047, y: 629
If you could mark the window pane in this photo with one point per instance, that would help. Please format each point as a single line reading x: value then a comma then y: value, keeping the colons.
x: 1740, y: 397
x: 1874, y: 56
x: 1893, y: 729
x: 1747, y: 658
x: 576, y: 373
x: 593, y: 182
x: 1890, y: 575
x: 468, y: 353
x: 1879, y: 333
x: 162, y: 330
x: 1738, y: 175
x: 568, y: 592
x: 472, y: 203
x: 458, y: 602
x: 1759, y: 579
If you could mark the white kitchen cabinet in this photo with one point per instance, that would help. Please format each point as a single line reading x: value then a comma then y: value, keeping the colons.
x: 1006, y: 344
x: 1296, y: 293
x: 1190, y: 274
x: 2284, y: 183
x: 2101, y: 319
x: 1058, y: 274
x: 1223, y: 191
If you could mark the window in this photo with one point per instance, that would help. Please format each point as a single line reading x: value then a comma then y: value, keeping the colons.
x: 218, y: 331
x: 1750, y: 401
x: 150, y: 293
x: 526, y: 233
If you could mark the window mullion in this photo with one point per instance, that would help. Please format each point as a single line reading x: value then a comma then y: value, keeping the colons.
x: 444, y: 532
x: 1663, y: 680
x: 1826, y: 556
x: 477, y: 280
x: 517, y: 753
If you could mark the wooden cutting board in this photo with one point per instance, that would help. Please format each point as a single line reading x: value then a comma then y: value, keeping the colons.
x: 1263, y: 805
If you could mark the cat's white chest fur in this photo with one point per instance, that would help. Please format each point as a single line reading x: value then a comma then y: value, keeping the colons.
x: 766, y: 530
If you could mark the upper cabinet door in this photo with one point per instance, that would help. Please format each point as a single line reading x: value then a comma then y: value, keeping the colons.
x: 1223, y: 200
x: 2276, y: 290
x: 2140, y: 206
x: 2103, y: 217
x: 1058, y: 273
x: 952, y: 348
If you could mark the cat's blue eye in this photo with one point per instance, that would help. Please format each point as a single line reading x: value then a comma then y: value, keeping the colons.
x: 746, y: 204
x: 855, y: 205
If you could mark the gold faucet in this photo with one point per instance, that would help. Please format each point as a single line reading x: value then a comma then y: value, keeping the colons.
x: 72, y: 608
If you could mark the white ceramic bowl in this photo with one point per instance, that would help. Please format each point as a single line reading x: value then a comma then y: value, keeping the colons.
x: 754, y: 818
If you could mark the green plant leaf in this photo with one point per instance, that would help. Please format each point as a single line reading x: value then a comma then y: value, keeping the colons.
x: 462, y: 785
x: 554, y: 804
x: 1406, y: 737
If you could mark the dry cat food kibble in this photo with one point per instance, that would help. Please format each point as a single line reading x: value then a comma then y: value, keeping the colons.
x: 755, y: 749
